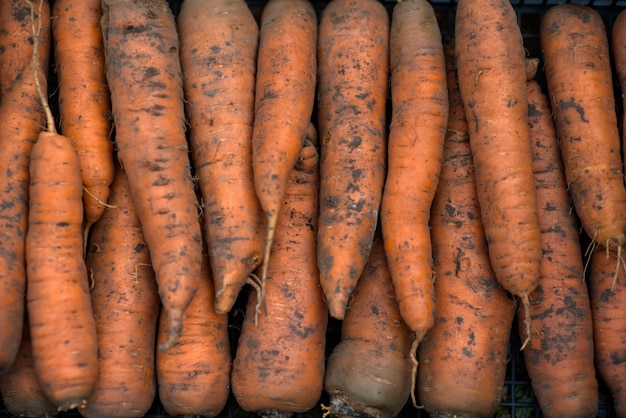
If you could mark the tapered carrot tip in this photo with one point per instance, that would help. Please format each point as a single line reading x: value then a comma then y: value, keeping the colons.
x: 337, y: 305
x: 174, y: 328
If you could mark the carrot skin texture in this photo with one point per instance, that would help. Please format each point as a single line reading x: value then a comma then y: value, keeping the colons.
x: 194, y: 375
x: 219, y: 81
x: 618, y: 50
x: 416, y: 137
x: 606, y: 291
x: 353, y: 55
x: 19, y: 388
x: 369, y: 371
x: 492, y: 80
x: 84, y: 101
x: 62, y: 328
x: 19, y: 131
x: 144, y: 76
x: 284, y: 100
x: 559, y: 355
x: 279, y: 363
x: 576, y: 55
x: 16, y: 40
x: 125, y: 304
x: 462, y: 359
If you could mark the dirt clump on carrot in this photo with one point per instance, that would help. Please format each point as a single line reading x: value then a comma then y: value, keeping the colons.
x: 284, y: 100
x: 144, y: 75
x: 84, y: 102
x: 492, y: 76
x: 576, y: 53
x: 462, y: 359
x: 278, y: 369
x: 125, y: 305
x: 219, y: 43
x: 353, y: 58
x: 559, y: 355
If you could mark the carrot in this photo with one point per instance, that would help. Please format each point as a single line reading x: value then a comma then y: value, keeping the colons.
x: 194, y: 375
x: 278, y: 367
x: 462, y: 359
x: 607, y: 294
x: 144, y: 76
x: 125, y: 306
x: 219, y: 81
x: 369, y: 372
x: 576, y: 53
x: 353, y: 54
x: 492, y: 80
x: 559, y: 355
x: 84, y: 102
x: 284, y: 98
x: 16, y: 40
x: 416, y: 137
x: 618, y: 50
x: 19, y: 132
x: 20, y: 391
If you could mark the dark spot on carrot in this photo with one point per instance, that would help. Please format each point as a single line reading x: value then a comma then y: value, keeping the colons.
x: 533, y: 111
x: 134, y: 29
x: 356, y: 141
x: 618, y: 358
x: 571, y: 104
x: 467, y: 352
x: 362, y: 95
x: 450, y: 210
x: 458, y: 320
x: 374, y: 309
x: 332, y: 201
x: 21, y: 13
x: 62, y: 224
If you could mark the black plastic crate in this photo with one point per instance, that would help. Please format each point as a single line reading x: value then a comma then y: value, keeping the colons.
x: 518, y: 398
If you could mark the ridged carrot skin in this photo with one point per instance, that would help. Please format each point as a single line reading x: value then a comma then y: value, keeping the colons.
x: 416, y: 136
x: 559, y: 355
x: 125, y: 305
x: 16, y: 39
x: 618, y: 51
x: 219, y: 82
x: 62, y: 325
x: 84, y: 101
x: 580, y: 84
x: 462, y: 359
x: 144, y: 75
x: 194, y: 375
x: 353, y: 60
x: 278, y: 367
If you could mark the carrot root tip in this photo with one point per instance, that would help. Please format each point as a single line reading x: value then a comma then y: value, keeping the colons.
x: 175, y: 327
x: 527, y: 323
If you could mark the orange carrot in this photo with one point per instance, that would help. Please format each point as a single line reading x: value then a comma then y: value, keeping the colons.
x: 219, y: 41
x: 21, y: 119
x: 416, y: 137
x: 279, y: 364
x: 194, y: 375
x: 492, y: 80
x: 608, y: 295
x: 618, y: 50
x: 62, y: 326
x: 84, y: 102
x: 284, y: 97
x: 576, y: 53
x: 462, y: 359
x: 20, y: 391
x: 559, y: 355
x: 353, y: 54
x: 16, y: 40
x: 369, y: 371
x: 144, y: 76
x: 125, y: 305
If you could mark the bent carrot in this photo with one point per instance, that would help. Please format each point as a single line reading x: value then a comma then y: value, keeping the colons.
x: 284, y: 97
x: 144, y: 76
x: 492, y: 80
x: 194, y: 375
x: 219, y: 81
x: 21, y: 119
x: 559, y: 355
x: 19, y: 388
x: 278, y: 367
x: 16, y: 40
x: 369, y: 371
x: 462, y: 359
x: 353, y: 55
x: 576, y: 53
x: 84, y: 102
x: 125, y: 306
x: 416, y: 137
x: 606, y: 291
